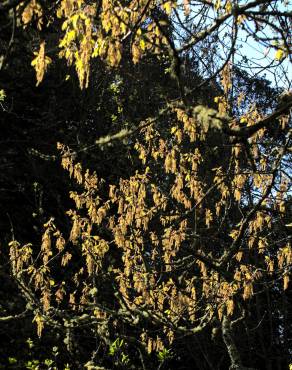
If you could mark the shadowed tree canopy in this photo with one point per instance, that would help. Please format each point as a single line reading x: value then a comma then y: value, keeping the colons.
x: 145, y: 184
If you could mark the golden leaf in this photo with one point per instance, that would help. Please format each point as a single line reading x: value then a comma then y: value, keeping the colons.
x: 279, y: 55
x: 247, y: 291
x: 217, y: 4
x: 52, y: 282
x: 142, y: 44
x: 40, y: 63
x: 238, y: 256
x: 168, y: 7
x: 230, y: 306
x: 286, y: 281
x: 31, y: 9
x: 228, y: 6
x: 150, y: 345
x: 40, y: 324
x: 208, y: 217
x: 233, y: 234
x: 241, y: 18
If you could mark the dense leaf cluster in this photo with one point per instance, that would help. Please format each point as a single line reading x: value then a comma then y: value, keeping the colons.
x: 145, y: 185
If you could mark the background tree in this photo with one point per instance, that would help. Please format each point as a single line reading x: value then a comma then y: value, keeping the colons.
x: 179, y: 235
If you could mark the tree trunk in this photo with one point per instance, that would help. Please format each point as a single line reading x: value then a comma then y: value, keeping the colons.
x: 234, y: 355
